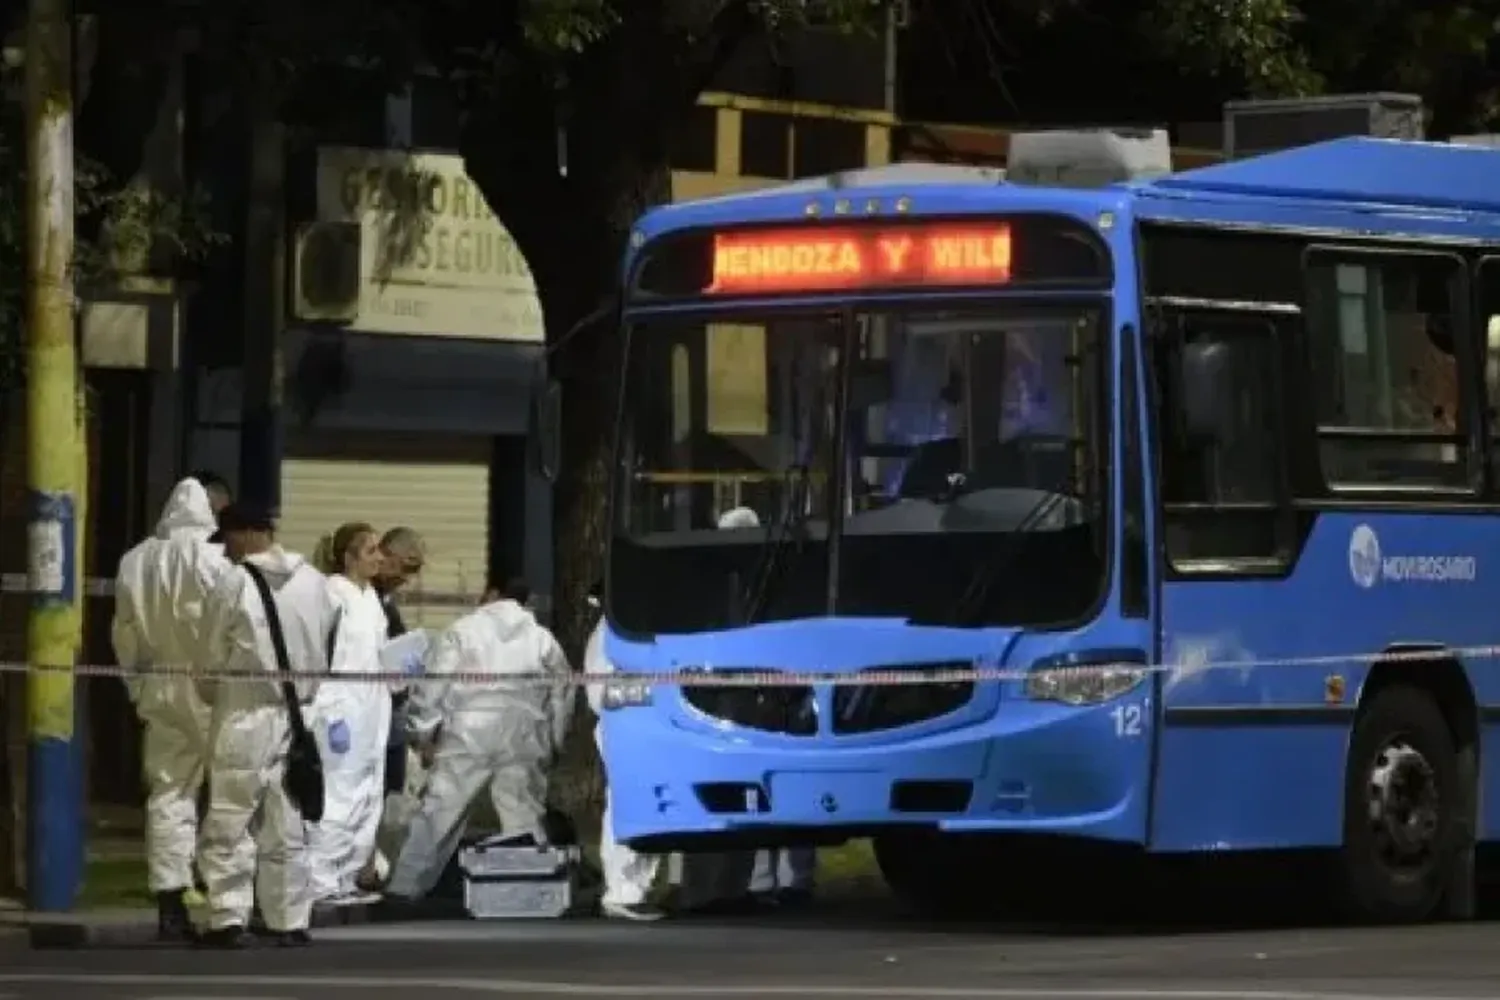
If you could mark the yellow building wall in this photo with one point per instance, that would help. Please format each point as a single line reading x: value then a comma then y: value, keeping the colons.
x: 727, y: 177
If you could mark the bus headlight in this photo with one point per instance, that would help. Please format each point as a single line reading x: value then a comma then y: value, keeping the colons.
x: 629, y: 695
x: 1083, y: 685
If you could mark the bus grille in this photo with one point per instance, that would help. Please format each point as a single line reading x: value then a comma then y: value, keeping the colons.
x: 787, y: 710
x: 873, y: 708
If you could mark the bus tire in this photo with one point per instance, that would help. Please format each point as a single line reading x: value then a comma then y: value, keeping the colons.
x: 1402, y: 796
x: 927, y: 872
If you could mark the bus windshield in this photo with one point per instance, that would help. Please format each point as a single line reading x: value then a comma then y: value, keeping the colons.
x: 944, y: 466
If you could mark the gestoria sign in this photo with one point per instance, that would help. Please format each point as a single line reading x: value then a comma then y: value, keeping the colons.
x: 435, y: 261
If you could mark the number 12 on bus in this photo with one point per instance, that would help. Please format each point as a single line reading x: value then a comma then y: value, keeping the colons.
x: 1200, y: 465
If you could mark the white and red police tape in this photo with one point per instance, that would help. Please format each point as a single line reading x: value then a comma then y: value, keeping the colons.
x: 729, y: 675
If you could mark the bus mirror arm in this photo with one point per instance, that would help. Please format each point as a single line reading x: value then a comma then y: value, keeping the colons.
x: 546, y: 430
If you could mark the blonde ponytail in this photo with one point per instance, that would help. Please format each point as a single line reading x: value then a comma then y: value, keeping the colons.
x: 324, y: 558
x: 333, y: 549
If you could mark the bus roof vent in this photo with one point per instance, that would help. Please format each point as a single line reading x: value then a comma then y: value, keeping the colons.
x: 907, y: 174
x: 1088, y: 158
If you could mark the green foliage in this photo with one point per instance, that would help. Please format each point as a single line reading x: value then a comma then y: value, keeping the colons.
x: 560, y: 28
x: 1252, y: 39
x: 136, y: 224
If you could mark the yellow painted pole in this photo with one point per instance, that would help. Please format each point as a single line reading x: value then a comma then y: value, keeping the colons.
x: 55, y: 842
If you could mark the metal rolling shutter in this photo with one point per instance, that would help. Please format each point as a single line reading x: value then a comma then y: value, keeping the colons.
x: 436, y: 484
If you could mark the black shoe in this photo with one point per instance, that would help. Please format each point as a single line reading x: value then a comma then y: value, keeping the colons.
x: 293, y: 939
x: 172, y: 922
x: 225, y: 938
x: 793, y: 899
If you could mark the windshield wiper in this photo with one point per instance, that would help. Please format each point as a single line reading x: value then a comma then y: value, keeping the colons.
x: 779, y: 538
x: 984, y: 575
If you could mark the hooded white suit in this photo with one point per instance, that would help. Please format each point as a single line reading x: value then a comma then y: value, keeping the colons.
x: 499, y: 733
x: 628, y: 875
x: 352, y: 722
x: 252, y: 845
x: 160, y: 595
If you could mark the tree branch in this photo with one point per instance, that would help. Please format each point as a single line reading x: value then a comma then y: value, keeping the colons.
x: 736, y: 24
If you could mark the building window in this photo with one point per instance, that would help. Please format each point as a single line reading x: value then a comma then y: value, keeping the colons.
x: 695, y: 143
x: 1386, y: 387
x: 827, y: 146
x: 765, y: 145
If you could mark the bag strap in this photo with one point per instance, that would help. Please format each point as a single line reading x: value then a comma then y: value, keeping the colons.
x: 331, y: 642
x: 278, y: 642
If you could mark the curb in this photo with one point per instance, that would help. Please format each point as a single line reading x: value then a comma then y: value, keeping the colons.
x: 356, y: 915
x: 54, y: 933
x: 62, y: 932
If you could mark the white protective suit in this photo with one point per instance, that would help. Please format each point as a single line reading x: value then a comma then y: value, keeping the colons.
x: 160, y: 593
x: 496, y: 733
x: 352, y: 722
x: 628, y: 876
x: 252, y: 847
x: 787, y: 869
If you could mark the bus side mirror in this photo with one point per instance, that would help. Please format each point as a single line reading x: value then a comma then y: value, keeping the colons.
x: 1205, y: 385
x: 546, y: 430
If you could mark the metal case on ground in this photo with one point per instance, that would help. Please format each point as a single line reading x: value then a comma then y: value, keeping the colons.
x: 508, y: 882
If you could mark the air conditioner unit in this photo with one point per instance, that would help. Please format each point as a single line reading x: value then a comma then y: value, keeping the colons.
x: 1088, y: 158
x: 326, y: 277
x: 1254, y: 127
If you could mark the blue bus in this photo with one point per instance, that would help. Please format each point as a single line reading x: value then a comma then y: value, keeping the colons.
x: 1180, y: 491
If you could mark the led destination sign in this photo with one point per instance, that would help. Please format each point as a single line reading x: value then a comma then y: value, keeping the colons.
x: 814, y: 259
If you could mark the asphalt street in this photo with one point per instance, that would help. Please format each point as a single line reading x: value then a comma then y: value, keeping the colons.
x: 813, y: 956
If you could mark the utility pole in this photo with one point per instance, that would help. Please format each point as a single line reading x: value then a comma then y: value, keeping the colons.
x: 55, y: 467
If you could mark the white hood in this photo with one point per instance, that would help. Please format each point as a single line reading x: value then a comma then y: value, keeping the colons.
x: 738, y: 517
x: 187, y: 510
x: 277, y: 564
x: 508, y: 618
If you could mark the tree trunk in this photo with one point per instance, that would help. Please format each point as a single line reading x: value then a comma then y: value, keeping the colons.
x: 573, y: 234
x: 589, y: 366
x: 571, y: 220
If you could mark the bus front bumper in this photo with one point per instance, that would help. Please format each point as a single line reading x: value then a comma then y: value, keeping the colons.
x: 1033, y: 767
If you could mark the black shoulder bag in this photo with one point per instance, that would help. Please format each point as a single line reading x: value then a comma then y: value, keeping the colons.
x: 303, y: 779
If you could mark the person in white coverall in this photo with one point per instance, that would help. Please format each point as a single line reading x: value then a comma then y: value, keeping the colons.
x: 739, y: 880
x: 252, y: 845
x: 351, y: 720
x: 483, y: 731
x: 160, y: 592
x: 628, y: 876
x: 784, y: 876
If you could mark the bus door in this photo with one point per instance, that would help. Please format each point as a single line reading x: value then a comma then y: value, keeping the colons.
x: 1225, y: 531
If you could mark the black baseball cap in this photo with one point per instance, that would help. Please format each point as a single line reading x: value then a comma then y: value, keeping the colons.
x: 242, y: 516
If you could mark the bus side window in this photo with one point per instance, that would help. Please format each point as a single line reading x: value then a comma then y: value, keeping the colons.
x: 1381, y: 331
x: 1487, y: 322
x: 1222, y: 486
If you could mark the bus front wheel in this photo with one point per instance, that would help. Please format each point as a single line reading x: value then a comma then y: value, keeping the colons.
x: 933, y: 873
x: 1402, y: 834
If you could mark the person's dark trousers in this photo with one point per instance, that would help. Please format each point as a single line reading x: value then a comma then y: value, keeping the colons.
x: 395, y: 748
